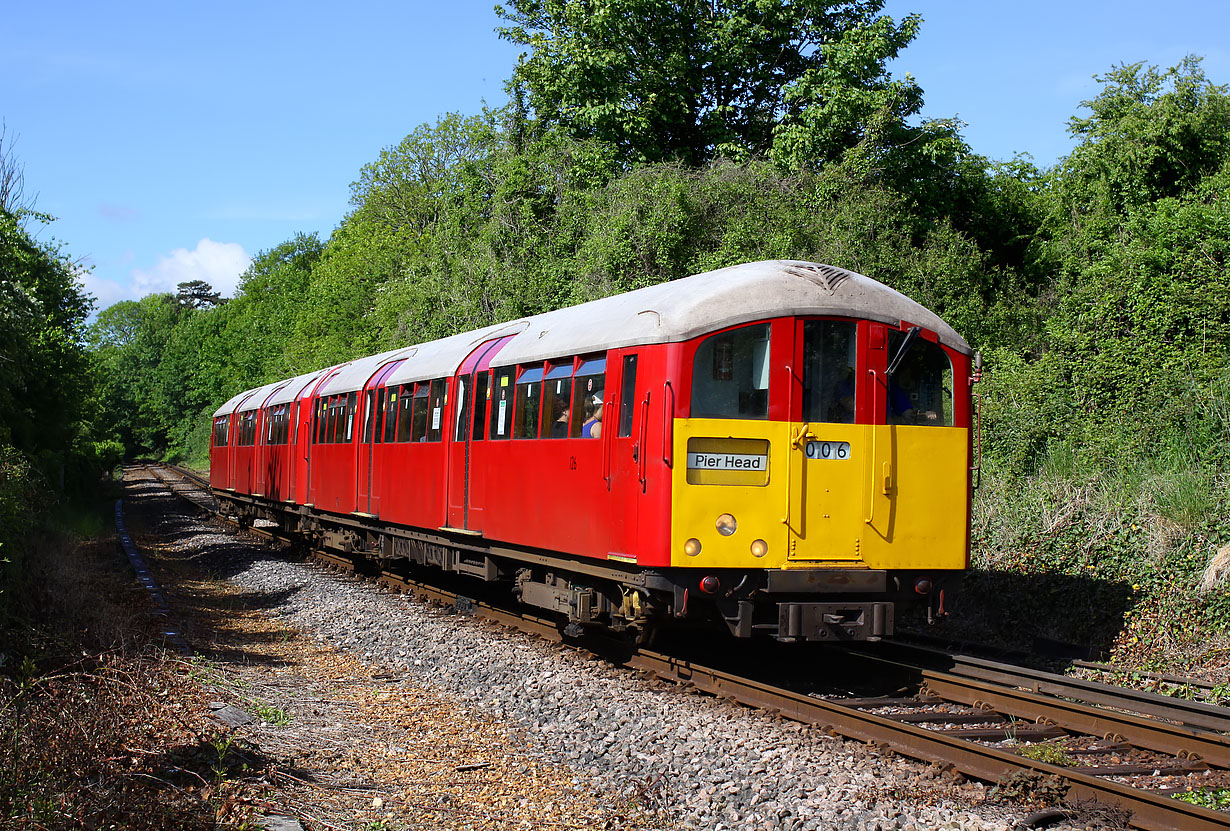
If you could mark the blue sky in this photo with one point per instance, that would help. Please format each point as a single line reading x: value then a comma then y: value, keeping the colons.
x: 174, y: 141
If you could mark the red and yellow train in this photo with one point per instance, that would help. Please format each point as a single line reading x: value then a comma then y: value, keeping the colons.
x: 783, y: 446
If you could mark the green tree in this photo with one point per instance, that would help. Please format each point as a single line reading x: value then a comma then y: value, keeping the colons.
x: 43, y: 360
x: 697, y: 79
x: 1137, y: 227
x: 197, y: 294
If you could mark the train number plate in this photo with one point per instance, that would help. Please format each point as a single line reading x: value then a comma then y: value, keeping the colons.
x: 830, y: 450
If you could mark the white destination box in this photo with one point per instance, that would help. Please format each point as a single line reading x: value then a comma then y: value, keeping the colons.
x: 727, y: 461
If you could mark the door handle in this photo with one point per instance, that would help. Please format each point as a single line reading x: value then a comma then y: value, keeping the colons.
x: 800, y: 439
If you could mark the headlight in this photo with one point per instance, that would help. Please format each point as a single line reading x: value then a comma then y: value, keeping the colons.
x: 760, y: 548
x: 726, y: 525
x: 691, y: 547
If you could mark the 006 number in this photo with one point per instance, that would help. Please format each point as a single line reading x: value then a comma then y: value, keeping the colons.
x: 838, y: 450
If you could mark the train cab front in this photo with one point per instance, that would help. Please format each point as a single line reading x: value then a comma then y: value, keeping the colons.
x: 825, y: 478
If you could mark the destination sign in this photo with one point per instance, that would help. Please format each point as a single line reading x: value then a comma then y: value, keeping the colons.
x: 727, y: 461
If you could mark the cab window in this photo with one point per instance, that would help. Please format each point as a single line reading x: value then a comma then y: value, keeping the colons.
x: 730, y: 374
x: 627, y: 399
x: 920, y: 386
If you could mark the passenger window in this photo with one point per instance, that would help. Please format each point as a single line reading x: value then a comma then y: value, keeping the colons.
x: 463, y: 408
x: 829, y: 349
x: 337, y: 418
x: 529, y: 403
x: 390, y: 413
x: 481, y: 394
x: 352, y: 408
x: 588, y: 392
x: 920, y: 388
x: 730, y: 374
x: 557, y: 402
x: 381, y: 402
x: 247, y: 428
x: 627, y: 397
x: 502, y: 403
x: 369, y: 415
x: 439, y: 397
x: 414, y: 412
x: 220, y: 430
x: 318, y: 421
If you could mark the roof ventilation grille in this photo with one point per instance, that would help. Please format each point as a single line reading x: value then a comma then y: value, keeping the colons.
x: 825, y: 276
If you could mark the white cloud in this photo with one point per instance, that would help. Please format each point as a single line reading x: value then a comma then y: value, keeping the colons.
x: 106, y: 292
x: 218, y: 263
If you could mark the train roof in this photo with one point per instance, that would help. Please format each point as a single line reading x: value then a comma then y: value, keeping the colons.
x: 278, y: 392
x: 687, y: 308
x: 253, y: 398
x: 295, y: 386
x: 442, y: 357
x: 354, y: 375
x: 666, y: 313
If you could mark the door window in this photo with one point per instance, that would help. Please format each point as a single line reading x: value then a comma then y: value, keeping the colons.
x: 829, y: 349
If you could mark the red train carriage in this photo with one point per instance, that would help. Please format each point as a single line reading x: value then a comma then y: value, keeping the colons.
x: 784, y: 446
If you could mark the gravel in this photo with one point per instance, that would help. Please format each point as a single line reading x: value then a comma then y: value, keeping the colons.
x: 702, y: 762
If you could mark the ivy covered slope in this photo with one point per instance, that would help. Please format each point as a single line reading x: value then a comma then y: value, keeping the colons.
x: 648, y: 141
x: 1106, y: 437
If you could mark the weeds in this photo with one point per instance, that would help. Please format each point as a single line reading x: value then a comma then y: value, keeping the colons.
x: 209, y: 674
x: 271, y: 715
x: 1215, y: 798
x: 1051, y: 753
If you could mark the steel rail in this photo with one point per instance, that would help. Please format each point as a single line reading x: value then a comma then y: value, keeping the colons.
x: 1163, y: 737
x: 1191, y: 713
x: 1150, y: 811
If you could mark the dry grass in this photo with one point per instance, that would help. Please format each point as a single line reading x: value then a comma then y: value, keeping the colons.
x: 97, y: 728
x: 1217, y: 572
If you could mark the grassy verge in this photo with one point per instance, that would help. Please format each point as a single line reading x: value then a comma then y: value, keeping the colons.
x: 1130, y: 561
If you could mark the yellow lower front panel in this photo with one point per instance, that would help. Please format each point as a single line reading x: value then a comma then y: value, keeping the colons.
x: 760, y: 494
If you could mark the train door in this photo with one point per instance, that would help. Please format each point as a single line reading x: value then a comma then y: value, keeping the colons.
x: 260, y: 452
x: 303, y: 444
x: 830, y: 442
x: 624, y: 453
x: 310, y: 420
x: 298, y: 452
x: 469, y: 417
x: 232, y: 442
x: 367, y: 479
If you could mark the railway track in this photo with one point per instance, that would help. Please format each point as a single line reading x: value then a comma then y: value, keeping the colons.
x: 1121, y: 747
